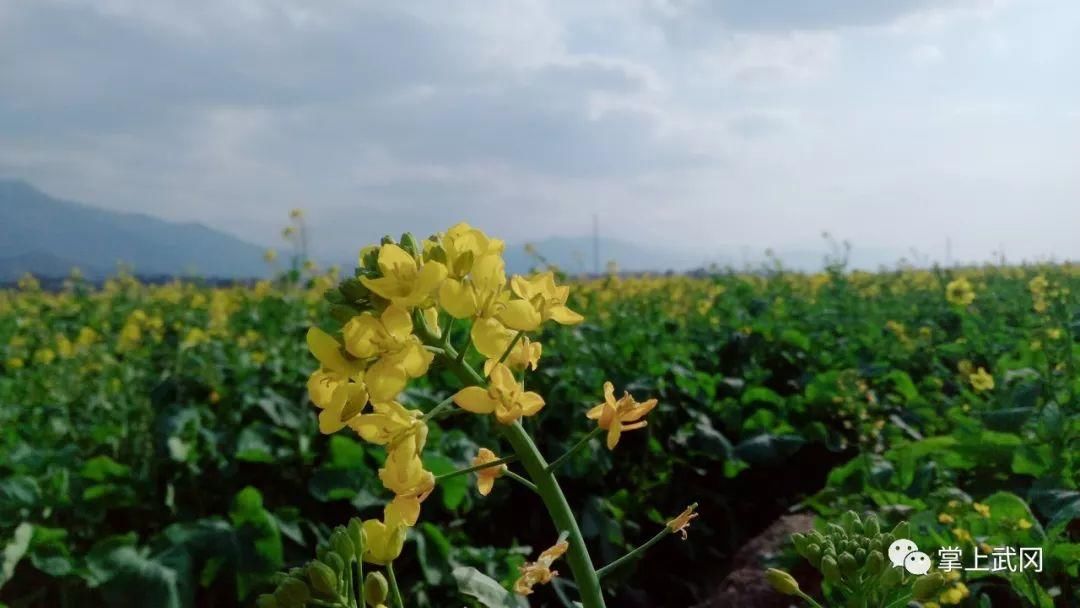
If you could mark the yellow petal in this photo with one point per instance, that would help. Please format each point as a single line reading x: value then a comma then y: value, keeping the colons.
x: 484, y: 485
x: 403, y: 510
x: 489, y: 274
x: 326, y: 349
x: 394, y: 260
x: 595, y: 412
x: 609, y: 393
x: 397, y: 322
x: 490, y: 337
x: 457, y: 299
x: 613, y: 434
x: 431, y: 275
x: 503, y: 378
x: 387, y: 287
x: 475, y: 399
x: 330, y: 421
x: 361, y: 333
x: 530, y: 403
x: 520, y: 315
x: 564, y: 316
x: 321, y: 387
x: 385, y: 380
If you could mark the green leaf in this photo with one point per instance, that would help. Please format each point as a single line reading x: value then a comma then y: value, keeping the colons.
x: 102, y: 468
x: 260, y: 552
x: 345, y: 453
x: 760, y: 394
x: 139, y: 580
x: 486, y: 590
x: 49, y: 551
x: 15, y: 550
x: 19, y: 491
x: 252, y: 445
x: 768, y: 449
x: 1032, y: 460
x: 454, y: 489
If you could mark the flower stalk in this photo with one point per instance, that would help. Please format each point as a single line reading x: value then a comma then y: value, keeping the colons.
x: 581, y: 565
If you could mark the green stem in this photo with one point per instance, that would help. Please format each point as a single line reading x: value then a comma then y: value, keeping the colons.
x: 634, y: 554
x: 550, y: 492
x: 577, y: 446
x: 394, y: 590
x: 506, y: 353
x: 445, y: 403
x: 521, y: 480
x: 476, y: 467
x: 547, y: 487
x: 807, y: 598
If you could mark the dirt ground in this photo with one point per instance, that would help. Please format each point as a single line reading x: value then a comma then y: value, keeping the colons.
x: 745, y: 586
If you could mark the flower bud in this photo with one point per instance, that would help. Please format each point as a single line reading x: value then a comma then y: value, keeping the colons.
x: 829, y: 569
x: 357, y: 535
x: 902, y: 530
x: 847, y: 564
x: 324, y: 581
x: 813, y: 554
x: 409, y: 244
x: 891, y: 578
x: 875, y: 562
x: 871, y: 527
x: 340, y: 544
x: 335, y: 562
x: 266, y: 601
x: 782, y: 581
x: 292, y: 593
x: 850, y: 522
x: 928, y: 586
x: 799, y: 541
x: 376, y: 589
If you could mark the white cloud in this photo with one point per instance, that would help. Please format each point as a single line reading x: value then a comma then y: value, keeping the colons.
x: 753, y: 123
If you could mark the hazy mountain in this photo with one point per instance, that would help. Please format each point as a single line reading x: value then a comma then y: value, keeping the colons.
x: 575, y: 255
x: 47, y: 236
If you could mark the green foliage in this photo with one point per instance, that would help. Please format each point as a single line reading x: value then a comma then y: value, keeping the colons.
x: 144, y: 465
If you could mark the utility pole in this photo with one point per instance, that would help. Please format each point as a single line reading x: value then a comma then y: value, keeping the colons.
x: 596, y: 244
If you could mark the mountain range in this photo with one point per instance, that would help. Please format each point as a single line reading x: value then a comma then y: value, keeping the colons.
x: 47, y: 237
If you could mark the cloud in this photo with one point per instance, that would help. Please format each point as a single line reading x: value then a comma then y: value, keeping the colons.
x: 757, y: 123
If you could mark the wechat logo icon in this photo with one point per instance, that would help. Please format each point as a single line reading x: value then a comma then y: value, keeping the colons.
x: 904, y: 553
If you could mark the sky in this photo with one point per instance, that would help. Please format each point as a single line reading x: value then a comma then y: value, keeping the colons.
x: 692, y: 125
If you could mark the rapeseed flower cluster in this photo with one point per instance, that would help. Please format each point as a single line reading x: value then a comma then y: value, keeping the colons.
x: 404, y: 292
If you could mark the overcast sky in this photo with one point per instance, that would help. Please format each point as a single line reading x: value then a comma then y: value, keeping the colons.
x: 706, y: 124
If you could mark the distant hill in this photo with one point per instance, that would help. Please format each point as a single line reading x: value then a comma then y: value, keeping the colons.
x: 48, y: 236
x: 575, y: 255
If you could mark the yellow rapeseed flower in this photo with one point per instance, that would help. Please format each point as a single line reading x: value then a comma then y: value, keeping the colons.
x: 481, y: 294
x: 485, y: 478
x: 404, y: 281
x: 491, y: 338
x: 337, y: 387
x: 504, y: 397
x: 981, y: 380
x: 618, y: 416
x: 539, y: 572
x: 960, y: 292
x: 541, y: 300
x: 384, y: 541
x: 981, y: 509
x: 389, y: 337
x: 682, y: 521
